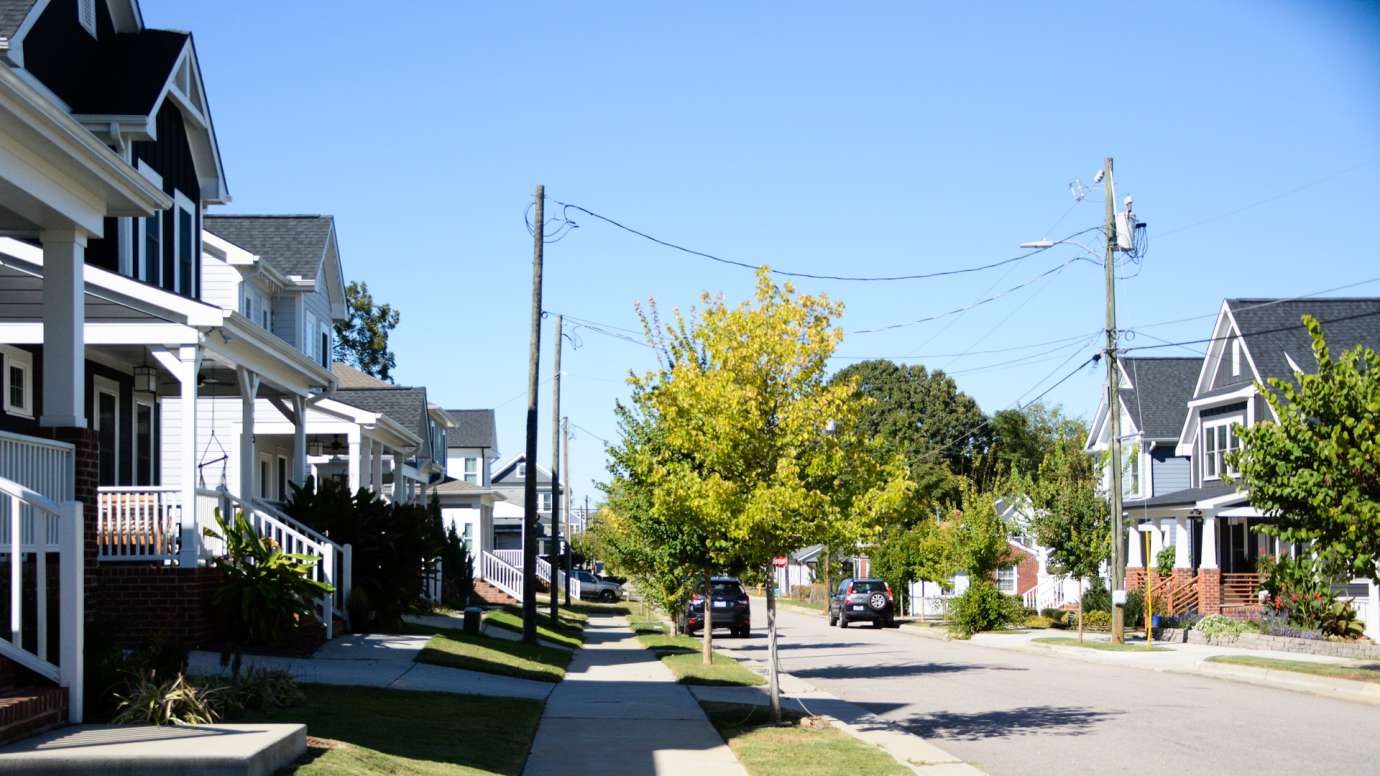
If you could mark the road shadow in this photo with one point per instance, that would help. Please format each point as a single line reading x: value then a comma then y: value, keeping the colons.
x: 1005, y: 723
x: 891, y: 671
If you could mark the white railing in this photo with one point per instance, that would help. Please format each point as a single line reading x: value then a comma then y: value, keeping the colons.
x: 511, y: 557
x: 431, y: 581
x: 37, y: 526
x: 344, y: 555
x: 138, y: 524
x: 44, y: 466
x: 290, y: 535
x: 501, y: 574
x: 544, y: 574
x: 1049, y: 594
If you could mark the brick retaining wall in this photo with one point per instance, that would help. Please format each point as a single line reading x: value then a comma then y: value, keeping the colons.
x: 1361, y: 650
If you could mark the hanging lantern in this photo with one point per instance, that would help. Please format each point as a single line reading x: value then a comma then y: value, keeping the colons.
x: 314, y: 447
x: 145, y: 379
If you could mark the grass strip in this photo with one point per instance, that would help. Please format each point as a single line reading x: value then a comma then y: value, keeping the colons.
x: 570, y: 631
x: 1359, y: 672
x: 1105, y: 646
x: 685, y: 657
x: 767, y: 750
x: 372, y: 730
x: 801, y: 602
x: 457, y: 649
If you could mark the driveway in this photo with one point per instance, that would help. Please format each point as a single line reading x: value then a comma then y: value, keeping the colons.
x: 1016, y: 713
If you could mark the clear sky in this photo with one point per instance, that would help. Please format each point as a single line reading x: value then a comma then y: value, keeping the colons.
x: 837, y: 138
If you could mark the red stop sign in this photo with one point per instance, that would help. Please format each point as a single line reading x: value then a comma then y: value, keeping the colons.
x: 779, y: 561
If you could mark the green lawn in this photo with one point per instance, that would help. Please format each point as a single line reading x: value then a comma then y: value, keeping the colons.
x: 766, y: 750
x: 684, y: 656
x: 1369, y: 672
x: 816, y: 605
x: 458, y: 649
x: 372, y: 730
x: 570, y: 632
x: 1105, y: 646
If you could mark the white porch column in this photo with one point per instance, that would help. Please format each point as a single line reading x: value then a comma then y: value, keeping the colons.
x: 1156, y: 542
x: 1133, y: 547
x: 399, y: 487
x: 1209, y: 555
x: 299, y: 440
x: 1183, y: 544
x: 249, y: 390
x: 352, y: 462
x: 64, y: 321
x: 376, y: 467
x: 184, y: 367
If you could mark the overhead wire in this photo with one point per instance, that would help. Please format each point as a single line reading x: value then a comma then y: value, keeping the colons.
x: 1248, y: 335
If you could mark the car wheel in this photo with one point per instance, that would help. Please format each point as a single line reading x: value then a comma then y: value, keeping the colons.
x: 843, y: 620
x: 606, y: 596
x: 832, y: 620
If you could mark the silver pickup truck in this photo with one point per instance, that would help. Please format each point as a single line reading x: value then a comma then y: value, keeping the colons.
x: 594, y: 588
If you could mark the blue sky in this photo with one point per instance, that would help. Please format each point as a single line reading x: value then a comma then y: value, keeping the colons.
x: 891, y: 139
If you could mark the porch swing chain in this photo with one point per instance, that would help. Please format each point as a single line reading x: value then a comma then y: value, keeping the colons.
x: 202, y: 463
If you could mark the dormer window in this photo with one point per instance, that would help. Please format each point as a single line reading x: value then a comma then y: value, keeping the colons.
x: 1236, y: 357
x: 1219, y: 438
x: 86, y: 15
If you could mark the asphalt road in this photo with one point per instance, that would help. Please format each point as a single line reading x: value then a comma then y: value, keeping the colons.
x: 1016, y: 713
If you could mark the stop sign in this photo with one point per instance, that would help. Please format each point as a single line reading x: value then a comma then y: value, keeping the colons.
x: 779, y: 561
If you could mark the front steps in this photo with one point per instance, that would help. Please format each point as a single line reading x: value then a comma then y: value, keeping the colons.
x: 492, y: 595
x: 25, y: 711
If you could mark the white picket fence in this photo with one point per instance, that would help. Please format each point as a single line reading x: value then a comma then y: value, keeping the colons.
x: 35, y: 526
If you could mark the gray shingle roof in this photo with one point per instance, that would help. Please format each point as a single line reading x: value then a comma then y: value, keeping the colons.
x: 1159, y: 399
x: 1186, y: 497
x: 349, y: 377
x: 405, y: 405
x: 12, y: 13
x: 1354, y: 321
x: 473, y: 428
x: 293, y: 245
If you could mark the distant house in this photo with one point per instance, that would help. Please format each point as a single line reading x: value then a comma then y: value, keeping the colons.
x: 510, y: 480
x: 467, y: 499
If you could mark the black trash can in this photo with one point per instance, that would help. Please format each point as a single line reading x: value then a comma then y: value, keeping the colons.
x: 472, y: 617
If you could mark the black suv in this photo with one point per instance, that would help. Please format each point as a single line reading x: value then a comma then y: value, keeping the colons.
x: 862, y: 599
x: 730, y: 605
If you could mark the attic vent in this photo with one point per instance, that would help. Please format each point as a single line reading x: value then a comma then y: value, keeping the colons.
x: 86, y: 14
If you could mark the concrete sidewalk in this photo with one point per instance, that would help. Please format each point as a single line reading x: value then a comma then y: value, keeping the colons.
x: 620, y: 711
x: 380, y: 660
x: 1181, y: 658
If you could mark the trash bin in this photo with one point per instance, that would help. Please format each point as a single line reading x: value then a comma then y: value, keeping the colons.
x: 472, y: 615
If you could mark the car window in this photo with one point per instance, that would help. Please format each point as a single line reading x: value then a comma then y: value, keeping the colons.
x: 869, y: 586
x: 585, y: 576
x: 727, y: 589
x: 843, y: 586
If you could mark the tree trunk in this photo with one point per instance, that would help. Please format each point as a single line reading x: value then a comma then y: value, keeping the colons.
x: 708, y: 620
x: 828, y: 578
x: 1080, y: 609
x: 771, y: 655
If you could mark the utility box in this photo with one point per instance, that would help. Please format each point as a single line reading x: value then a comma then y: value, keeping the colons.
x: 473, y: 614
x: 1125, y: 230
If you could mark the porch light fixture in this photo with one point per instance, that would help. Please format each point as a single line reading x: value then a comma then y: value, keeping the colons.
x: 145, y: 379
x: 314, y: 447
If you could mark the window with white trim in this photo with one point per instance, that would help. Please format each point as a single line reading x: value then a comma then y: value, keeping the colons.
x: 148, y: 249
x: 1006, y: 580
x: 546, y: 502
x: 105, y: 420
x: 18, y: 381
x: 324, y: 332
x: 309, y: 336
x: 186, y: 247
x: 143, y: 441
x: 471, y: 474
x: 1219, y: 438
x: 1236, y: 358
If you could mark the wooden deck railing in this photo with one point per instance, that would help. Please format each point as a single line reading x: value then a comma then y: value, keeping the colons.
x: 1240, y: 590
x: 1178, y: 595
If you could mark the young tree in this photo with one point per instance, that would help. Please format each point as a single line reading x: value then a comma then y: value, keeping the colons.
x: 1317, y: 470
x: 1070, y: 519
x: 362, y: 338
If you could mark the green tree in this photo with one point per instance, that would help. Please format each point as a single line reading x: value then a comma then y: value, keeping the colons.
x: 1316, y: 470
x: 1069, y: 518
x: 975, y: 536
x: 1022, y: 438
x: 361, y: 340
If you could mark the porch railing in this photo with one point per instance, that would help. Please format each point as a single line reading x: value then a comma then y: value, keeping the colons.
x: 1179, y: 595
x: 1046, y: 595
x: 138, y: 524
x: 44, y: 466
x: 501, y: 574
x: 1240, y: 590
x: 544, y: 574
x: 511, y: 557
x: 37, y: 527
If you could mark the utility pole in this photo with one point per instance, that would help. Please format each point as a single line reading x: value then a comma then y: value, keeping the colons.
x: 529, y: 517
x: 565, y: 499
x: 556, y: 484
x: 1114, y: 415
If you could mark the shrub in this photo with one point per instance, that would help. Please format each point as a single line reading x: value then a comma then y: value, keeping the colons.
x: 170, y: 702
x: 1052, y: 613
x: 265, y: 593
x: 1220, y: 625
x: 1096, y: 598
x: 1276, y: 625
x: 1164, y: 561
x: 1038, y: 621
x: 983, y: 608
x: 1097, y: 619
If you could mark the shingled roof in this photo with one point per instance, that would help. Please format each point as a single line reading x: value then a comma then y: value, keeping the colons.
x: 293, y: 245
x: 1158, y: 400
x: 405, y: 405
x: 473, y: 428
x: 348, y: 377
x: 12, y: 13
x: 1272, y: 329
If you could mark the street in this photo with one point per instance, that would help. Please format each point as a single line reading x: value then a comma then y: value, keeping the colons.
x: 1016, y: 713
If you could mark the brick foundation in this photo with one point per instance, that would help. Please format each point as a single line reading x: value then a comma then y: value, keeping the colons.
x: 87, y: 468
x: 1209, y: 591
x: 144, y: 603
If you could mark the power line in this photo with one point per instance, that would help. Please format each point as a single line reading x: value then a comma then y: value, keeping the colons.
x: 810, y: 275
x: 1269, y: 303
x: 1010, y: 349
x: 1276, y: 330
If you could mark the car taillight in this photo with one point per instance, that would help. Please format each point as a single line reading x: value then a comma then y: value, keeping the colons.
x: 696, y: 598
x: 888, y: 591
x: 849, y: 591
x: 742, y: 598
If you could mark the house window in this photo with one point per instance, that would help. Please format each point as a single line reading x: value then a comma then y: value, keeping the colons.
x: 1219, y: 438
x: 106, y: 416
x: 86, y: 15
x: 247, y: 309
x: 143, y: 443
x: 309, y: 336
x: 325, y: 346
x: 546, y: 502
x: 185, y: 243
x: 282, y: 478
x: 18, y: 382
x: 468, y: 532
x: 1006, y: 580
x: 472, y: 470
x: 1236, y: 358
x: 264, y: 482
x: 149, y: 247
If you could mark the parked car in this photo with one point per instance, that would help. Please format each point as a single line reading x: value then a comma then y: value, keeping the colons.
x: 731, y: 608
x: 595, y: 588
x: 858, y: 600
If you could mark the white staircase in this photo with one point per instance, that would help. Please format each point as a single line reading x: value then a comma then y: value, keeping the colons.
x: 503, y: 570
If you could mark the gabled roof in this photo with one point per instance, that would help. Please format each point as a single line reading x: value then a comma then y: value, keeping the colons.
x: 405, y: 405
x: 12, y: 14
x: 349, y: 377
x: 473, y: 428
x: 1185, y: 498
x: 1160, y: 389
x: 1273, y: 332
x: 131, y: 74
x: 508, y: 467
x: 295, y: 245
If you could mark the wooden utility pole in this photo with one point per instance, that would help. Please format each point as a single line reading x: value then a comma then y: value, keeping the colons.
x: 529, y: 518
x: 556, y: 484
x: 565, y: 499
x: 1114, y: 415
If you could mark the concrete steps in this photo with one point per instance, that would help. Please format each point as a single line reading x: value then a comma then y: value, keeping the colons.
x: 492, y: 595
